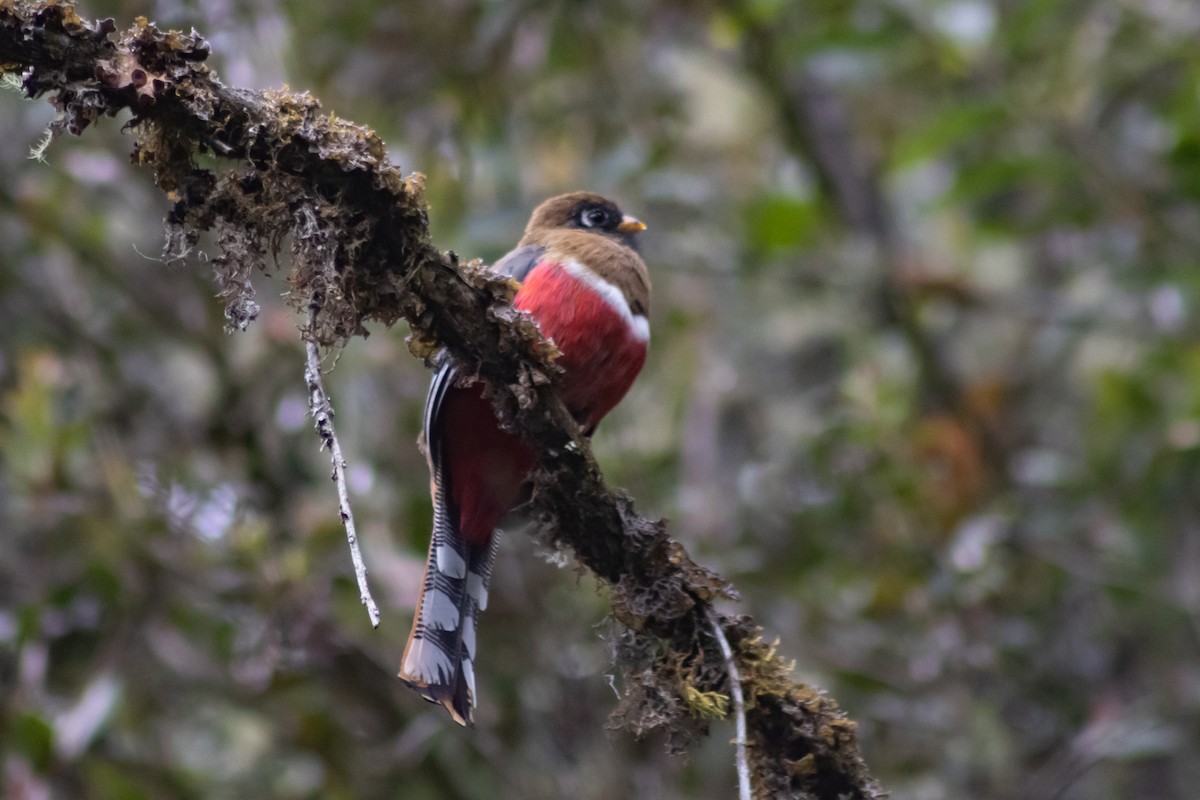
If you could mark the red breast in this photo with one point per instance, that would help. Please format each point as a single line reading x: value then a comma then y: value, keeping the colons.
x: 589, y: 291
x: 603, y: 343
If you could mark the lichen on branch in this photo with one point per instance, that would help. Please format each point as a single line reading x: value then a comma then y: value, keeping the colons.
x: 360, y: 252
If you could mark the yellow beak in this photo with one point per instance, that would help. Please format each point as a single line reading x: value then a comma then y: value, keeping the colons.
x: 631, y: 225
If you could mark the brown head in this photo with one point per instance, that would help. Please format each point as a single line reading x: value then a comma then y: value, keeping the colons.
x: 593, y: 231
x: 585, y: 211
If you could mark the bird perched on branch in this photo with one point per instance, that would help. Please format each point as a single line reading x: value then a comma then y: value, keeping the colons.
x: 584, y: 283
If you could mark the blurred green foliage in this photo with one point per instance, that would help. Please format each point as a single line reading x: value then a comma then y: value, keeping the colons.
x: 932, y: 404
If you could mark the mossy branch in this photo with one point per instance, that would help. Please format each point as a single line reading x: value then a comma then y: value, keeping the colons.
x: 361, y: 252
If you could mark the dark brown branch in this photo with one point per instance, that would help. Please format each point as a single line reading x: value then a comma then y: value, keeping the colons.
x: 361, y: 252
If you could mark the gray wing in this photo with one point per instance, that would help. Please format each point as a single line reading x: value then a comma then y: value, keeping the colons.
x: 443, y: 381
x: 521, y: 261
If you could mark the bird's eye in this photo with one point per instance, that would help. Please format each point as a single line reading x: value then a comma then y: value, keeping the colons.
x: 595, y: 218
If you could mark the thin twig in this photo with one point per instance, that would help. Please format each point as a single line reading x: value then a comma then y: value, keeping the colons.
x: 739, y: 708
x: 322, y: 412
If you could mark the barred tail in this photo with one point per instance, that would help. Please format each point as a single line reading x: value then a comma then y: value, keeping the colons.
x: 439, y: 659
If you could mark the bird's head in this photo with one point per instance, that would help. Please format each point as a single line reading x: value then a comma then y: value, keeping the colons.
x: 587, y: 212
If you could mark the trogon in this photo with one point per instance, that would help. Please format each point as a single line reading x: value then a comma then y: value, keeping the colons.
x: 583, y: 282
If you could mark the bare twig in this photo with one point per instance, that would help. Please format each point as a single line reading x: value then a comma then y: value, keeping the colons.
x: 322, y: 412
x: 739, y: 707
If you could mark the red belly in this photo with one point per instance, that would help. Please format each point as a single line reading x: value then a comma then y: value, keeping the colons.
x: 600, y: 353
x: 486, y: 466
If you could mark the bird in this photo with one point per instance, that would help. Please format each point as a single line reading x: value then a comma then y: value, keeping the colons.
x: 584, y: 283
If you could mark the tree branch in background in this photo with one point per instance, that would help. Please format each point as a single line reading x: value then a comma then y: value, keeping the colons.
x: 818, y: 128
x: 361, y: 252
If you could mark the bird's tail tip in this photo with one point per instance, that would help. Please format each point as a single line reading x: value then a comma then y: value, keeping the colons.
x: 446, y: 695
